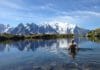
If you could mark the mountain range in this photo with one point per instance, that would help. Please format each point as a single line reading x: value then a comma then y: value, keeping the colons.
x: 46, y: 28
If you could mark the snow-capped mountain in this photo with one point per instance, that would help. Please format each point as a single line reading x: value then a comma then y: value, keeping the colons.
x: 62, y: 28
x: 46, y: 28
x: 5, y: 28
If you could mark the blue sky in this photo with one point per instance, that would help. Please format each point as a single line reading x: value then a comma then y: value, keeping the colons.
x: 84, y: 13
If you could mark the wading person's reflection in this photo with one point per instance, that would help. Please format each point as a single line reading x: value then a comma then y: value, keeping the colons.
x: 73, y: 49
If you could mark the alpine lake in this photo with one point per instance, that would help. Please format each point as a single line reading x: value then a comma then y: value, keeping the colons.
x: 52, y: 54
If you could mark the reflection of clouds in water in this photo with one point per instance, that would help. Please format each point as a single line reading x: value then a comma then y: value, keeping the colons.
x: 47, y: 54
x: 63, y: 43
x: 33, y: 45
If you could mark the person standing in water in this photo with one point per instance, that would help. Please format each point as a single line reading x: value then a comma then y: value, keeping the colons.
x: 73, y: 49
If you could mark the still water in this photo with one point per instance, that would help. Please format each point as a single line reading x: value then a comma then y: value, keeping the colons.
x: 49, y: 55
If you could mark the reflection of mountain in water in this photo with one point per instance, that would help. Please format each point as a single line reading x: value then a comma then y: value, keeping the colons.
x: 33, y: 45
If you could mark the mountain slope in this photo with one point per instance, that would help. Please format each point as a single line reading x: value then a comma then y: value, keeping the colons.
x: 46, y: 28
x: 5, y: 28
x: 94, y: 33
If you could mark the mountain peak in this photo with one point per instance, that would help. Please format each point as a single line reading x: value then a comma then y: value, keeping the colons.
x: 46, y: 28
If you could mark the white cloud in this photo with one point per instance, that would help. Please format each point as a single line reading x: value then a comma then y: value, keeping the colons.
x: 61, y: 16
x: 89, y: 13
x: 11, y: 4
x: 63, y: 19
x: 47, y: 6
x: 75, y: 17
x: 81, y: 13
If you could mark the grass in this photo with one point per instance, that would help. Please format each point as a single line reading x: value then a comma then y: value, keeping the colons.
x: 5, y: 36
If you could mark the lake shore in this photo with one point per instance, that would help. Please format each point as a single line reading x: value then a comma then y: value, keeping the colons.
x: 4, y: 37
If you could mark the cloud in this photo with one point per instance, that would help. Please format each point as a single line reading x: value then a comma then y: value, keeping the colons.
x: 47, y: 6
x: 63, y: 19
x: 11, y: 4
x: 76, y: 17
x: 20, y: 10
x: 19, y: 6
x: 80, y: 13
x: 88, y: 13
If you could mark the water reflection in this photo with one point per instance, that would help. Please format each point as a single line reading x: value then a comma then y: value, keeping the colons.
x: 55, y: 54
x: 33, y: 45
x: 28, y: 44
